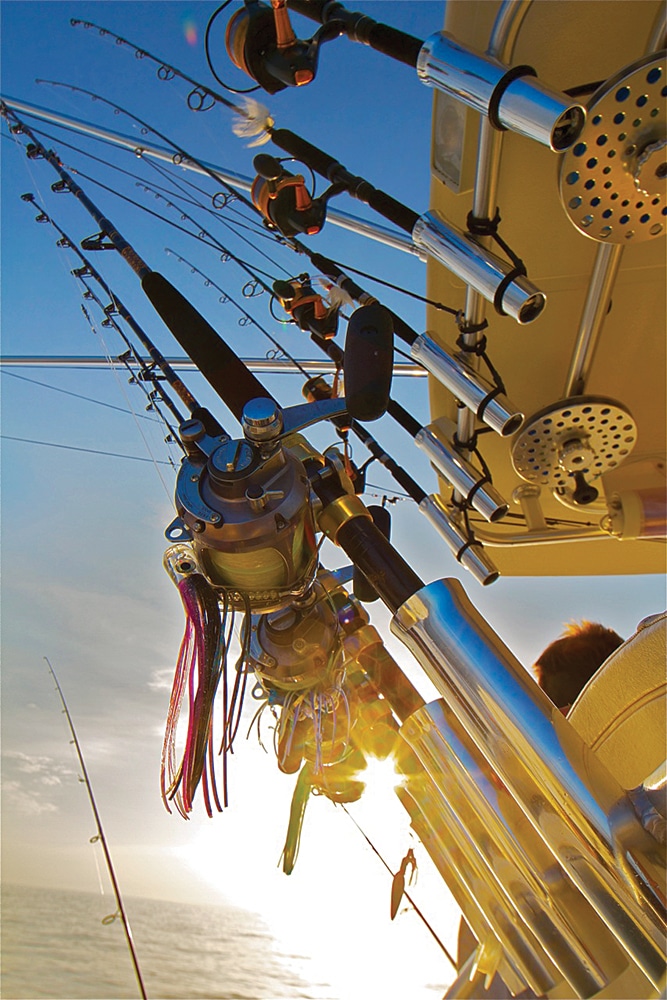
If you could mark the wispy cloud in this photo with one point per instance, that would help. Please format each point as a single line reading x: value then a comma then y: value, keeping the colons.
x: 25, y: 801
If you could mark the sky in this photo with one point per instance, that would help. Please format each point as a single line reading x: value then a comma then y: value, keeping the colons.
x: 83, y: 530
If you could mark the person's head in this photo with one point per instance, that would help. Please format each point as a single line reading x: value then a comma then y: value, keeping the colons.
x: 567, y: 664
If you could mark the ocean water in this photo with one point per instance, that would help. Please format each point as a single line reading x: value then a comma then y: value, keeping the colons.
x: 55, y: 946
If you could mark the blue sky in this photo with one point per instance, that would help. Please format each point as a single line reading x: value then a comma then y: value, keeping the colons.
x: 82, y: 538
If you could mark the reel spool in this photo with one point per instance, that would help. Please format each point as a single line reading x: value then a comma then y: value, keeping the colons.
x: 573, y: 441
x: 283, y: 199
x: 260, y: 42
x: 613, y: 181
x: 306, y: 307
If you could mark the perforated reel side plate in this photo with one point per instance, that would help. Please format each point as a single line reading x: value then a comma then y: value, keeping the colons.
x: 613, y: 181
x: 606, y: 432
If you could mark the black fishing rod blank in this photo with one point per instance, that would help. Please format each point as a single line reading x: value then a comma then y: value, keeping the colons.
x: 510, y: 97
x: 225, y: 372
x: 116, y: 305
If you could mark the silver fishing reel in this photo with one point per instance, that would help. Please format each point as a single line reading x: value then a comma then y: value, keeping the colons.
x: 245, y: 506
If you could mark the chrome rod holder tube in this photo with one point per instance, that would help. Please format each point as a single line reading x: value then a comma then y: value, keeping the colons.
x: 511, y: 98
x: 483, y: 270
x: 575, y: 805
x: 478, y: 394
x: 467, y: 551
x: 472, y: 485
x: 550, y: 911
x: 450, y: 842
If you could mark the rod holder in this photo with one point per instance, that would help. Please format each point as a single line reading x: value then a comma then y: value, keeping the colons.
x: 510, y: 98
x: 472, y: 485
x: 478, y: 394
x: 496, y: 280
x: 469, y: 553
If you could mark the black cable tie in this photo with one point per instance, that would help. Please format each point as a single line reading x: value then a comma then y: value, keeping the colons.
x: 478, y: 226
x: 516, y: 272
x: 499, y: 90
x: 469, y: 445
x: 478, y: 485
x: 468, y: 545
x: 487, y: 399
x: 479, y: 347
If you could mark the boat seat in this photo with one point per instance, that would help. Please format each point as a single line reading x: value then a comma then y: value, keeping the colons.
x: 621, y: 712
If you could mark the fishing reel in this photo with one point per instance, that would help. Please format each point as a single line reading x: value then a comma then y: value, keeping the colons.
x: 308, y: 658
x: 307, y: 308
x: 260, y: 41
x: 283, y: 199
x: 245, y: 508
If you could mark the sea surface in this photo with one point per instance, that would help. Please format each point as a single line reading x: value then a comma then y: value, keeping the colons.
x: 55, y: 946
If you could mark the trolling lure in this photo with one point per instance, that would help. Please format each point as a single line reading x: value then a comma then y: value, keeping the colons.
x: 201, y: 661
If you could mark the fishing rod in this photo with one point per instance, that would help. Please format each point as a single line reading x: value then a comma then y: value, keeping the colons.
x: 261, y: 42
x: 218, y: 363
x: 101, y: 838
x: 460, y: 541
x: 167, y: 71
x: 116, y: 306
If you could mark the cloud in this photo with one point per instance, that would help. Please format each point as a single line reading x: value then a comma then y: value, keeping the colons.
x: 49, y: 770
x: 162, y: 680
x: 25, y: 801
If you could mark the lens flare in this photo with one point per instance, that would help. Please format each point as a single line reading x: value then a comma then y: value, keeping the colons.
x: 190, y: 31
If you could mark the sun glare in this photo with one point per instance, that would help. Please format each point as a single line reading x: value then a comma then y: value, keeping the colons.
x: 331, y: 918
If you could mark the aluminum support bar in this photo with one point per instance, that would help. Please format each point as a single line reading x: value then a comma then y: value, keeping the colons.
x: 257, y: 365
x: 507, y: 25
x: 600, y: 287
x: 579, y: 810
x: 344, y: 220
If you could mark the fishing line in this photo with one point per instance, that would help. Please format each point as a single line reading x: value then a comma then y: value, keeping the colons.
x: 405, y: 892
x: 165, y: 68
x: 90, y: 451
x: 179, y: 151
x: 102, y: 838
x: 123, y: 359
x: 246, y: 267
x: 77, y: 395
x: 172, y: 433
x: 254, y: 322
x: 256, y: 230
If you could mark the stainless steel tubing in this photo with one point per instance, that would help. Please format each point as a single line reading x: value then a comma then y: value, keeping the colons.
x: 448, y: 844
x: 470, y: 483
x: 467, y: 552
x: 516, y: 101
x: 480, y: 268
x: 579, y: 810
x: 478, y: 394
x: 533, y: 888
x: 596, y: 306
x: 506, y: 28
